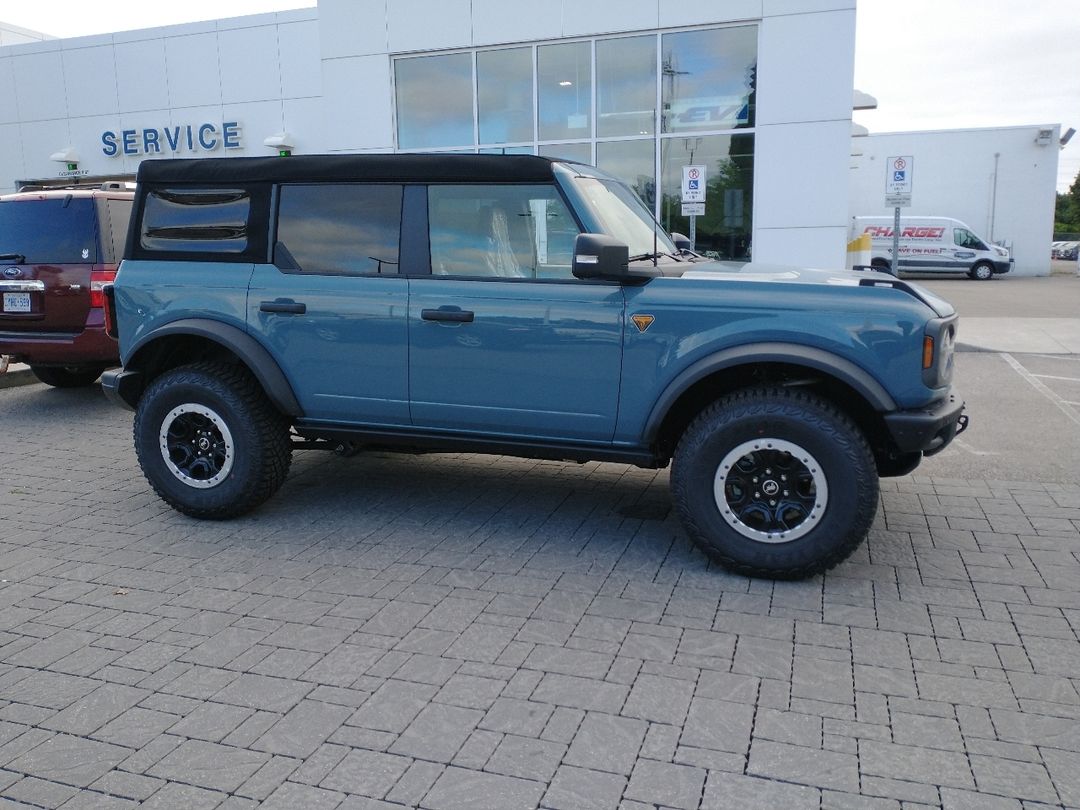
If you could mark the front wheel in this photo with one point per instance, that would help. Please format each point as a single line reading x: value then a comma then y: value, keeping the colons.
x: 775, y: 483
x: 981, y: 272
x: 67, y: 376
x: 209, y: 442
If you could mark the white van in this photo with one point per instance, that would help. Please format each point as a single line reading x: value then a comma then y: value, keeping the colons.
x: 932, y: 245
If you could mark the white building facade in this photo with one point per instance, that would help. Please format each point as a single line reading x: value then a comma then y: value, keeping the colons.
x: 756, y: 91
x: 999, y: 181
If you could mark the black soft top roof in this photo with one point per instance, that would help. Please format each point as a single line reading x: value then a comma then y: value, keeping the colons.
x: 326, y: 168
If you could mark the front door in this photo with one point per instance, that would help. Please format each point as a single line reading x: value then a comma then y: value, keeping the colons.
x: 503, y: 339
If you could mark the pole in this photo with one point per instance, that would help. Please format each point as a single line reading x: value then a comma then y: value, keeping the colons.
x: 693, y: 232
x: 993, y: 196
x: 896, y: 242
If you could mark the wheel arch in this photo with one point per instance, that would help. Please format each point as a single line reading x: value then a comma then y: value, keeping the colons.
x: 193, y: 339
x: 850, y: 387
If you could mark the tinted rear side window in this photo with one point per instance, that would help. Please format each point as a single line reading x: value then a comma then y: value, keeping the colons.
x: 54, y: 231
x: 339, y: 229
x: 196, y: 220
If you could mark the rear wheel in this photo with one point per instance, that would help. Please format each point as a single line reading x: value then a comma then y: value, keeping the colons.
x: 982, y: 271
x: 68, y: 376
x: 209, y: 442
x: 775, y: 482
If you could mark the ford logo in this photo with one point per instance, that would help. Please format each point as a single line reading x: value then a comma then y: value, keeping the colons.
x: 12, y: 272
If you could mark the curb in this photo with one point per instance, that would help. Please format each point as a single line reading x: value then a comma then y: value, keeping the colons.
x: 16, y: 376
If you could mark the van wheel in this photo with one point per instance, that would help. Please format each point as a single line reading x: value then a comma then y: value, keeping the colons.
x: 209, y: 441
x: 775, y: 483
x: 981, y: 272
x: 67, y: 376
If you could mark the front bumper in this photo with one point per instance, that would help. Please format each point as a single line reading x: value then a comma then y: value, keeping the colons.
x: 929, y: 429
x: 1003, y: 265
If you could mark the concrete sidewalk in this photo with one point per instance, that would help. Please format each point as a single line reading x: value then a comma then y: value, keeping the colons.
x: 1020, y: 335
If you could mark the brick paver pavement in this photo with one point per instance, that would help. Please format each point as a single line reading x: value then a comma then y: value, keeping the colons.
x: 476, y: 632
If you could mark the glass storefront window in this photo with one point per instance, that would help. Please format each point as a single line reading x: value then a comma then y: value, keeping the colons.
x: 508, y: 150
x: 434, y: 101
x: 504, y: 95
x: 708, y: 79
x: 625, y: 86
x: 724, y: 231
x: 564, y: 85
x: 631, y: 162
x: 580, y: 152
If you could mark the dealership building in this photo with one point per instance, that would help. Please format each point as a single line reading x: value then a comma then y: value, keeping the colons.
x: 758, y: 92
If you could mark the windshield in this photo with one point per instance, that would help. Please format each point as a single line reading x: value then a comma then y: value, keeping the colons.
x: 623, y: 215
x: 52, y: 231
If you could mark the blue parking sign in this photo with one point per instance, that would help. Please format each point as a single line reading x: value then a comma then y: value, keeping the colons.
x: 898, y: 177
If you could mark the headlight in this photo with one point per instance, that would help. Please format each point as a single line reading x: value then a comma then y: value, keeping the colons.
x: 1001, y: 251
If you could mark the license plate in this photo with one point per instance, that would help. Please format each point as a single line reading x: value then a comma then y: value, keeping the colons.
x: 16, y: 302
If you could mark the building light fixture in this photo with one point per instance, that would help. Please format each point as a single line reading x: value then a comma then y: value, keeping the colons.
x: 282, y: 142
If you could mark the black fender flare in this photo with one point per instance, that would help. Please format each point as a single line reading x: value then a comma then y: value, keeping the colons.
x: 793, y: 353
x: 252, y: 353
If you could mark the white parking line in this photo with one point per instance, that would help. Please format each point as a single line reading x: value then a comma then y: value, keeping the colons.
x: 1041, y: 387
x: 1053, y: 377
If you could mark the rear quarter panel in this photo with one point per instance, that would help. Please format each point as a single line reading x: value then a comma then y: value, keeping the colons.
x: 146, y: 298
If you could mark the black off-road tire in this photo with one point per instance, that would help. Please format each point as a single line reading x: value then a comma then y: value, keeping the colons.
x: 258, y: 434
x: 68, y: 376
x: 983, y: 271
x: 837, y: 452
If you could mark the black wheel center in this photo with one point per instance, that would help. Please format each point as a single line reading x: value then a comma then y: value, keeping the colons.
x: 770, y: 487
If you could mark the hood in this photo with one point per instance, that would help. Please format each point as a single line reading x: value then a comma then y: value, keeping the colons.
x: 788, y: 274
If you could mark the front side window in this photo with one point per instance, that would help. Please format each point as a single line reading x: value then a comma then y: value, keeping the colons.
x: 196, y: 220
x: 339, y: 229
x: 966, y: 239
x: 503, y: 231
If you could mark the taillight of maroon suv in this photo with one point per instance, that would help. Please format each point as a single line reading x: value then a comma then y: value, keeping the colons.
x: 58, y: 250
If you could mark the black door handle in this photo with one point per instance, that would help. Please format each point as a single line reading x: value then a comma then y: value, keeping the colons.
x: 289, y: 307
x: 452, y: 315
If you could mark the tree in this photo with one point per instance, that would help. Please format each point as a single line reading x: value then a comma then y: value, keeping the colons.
x: 1067, y: 209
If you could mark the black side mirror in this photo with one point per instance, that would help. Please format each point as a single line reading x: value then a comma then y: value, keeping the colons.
x: 681, y: 242
x: 597, y: 255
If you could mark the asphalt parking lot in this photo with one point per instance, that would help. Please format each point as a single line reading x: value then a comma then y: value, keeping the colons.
x: 478, y: 632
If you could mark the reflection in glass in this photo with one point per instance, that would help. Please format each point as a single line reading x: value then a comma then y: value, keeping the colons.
x: 504, y: 95
x: 580, y: 152
x: 434, y: 101
x: 508, y: 150
x: 709, y: 79
x: 510, y: 231
x: 625, y: 86
x: 631, y: 162
x: 564, y: 85
x: 724, y: 231
x: 339, y: 229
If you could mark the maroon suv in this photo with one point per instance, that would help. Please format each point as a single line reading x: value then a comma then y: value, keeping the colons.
x: 58, y: 248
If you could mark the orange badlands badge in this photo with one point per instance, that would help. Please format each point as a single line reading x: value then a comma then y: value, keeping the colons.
x: 642, y: 322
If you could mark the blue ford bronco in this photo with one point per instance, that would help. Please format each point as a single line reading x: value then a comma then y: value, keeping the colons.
x: 513, y: 305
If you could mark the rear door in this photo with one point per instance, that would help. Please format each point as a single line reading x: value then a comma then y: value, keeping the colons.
x: 332, y: 307
x: 48, y: 247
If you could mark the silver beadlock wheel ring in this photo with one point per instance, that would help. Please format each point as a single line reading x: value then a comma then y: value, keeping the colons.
x: 196, y: 445
x: 770, y: 490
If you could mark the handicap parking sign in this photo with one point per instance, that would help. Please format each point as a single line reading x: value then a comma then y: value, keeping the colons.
x: 693, y: 184
x: 898, y: 177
